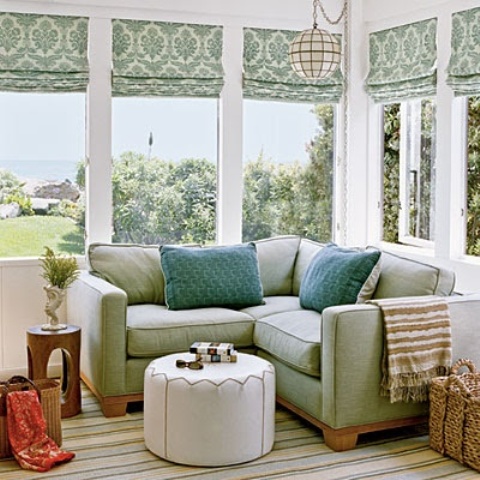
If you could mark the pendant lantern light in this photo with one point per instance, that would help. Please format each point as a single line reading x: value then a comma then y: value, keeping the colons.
x: 315, y: 53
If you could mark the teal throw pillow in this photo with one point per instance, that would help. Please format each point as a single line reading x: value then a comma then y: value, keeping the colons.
x: 336, y: 276
x: 211, y: 276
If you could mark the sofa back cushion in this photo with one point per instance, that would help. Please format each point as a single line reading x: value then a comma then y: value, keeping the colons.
x: 338, y: 276
x: 306, y: 251
x: 403, y: 277
x: 276, y: 259
x: 133, y: 268
x: 225, y: 276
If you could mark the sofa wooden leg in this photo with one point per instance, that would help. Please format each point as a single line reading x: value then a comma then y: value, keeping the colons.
x: 114, y: 409
x: 339, y: 441
x: 115, y: 406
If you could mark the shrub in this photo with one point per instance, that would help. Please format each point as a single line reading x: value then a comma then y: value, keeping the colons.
x: 11, y: 191
x: 24, y: 202
x: 9, y: 185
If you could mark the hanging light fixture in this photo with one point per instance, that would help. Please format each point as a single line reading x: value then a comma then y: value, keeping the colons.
x: 316, y: 53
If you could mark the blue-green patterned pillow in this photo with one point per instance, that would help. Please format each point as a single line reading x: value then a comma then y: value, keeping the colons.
x: 336, y: 276
x: 211, y: 276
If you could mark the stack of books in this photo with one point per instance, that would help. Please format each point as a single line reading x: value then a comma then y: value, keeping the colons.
x: 214, y: 352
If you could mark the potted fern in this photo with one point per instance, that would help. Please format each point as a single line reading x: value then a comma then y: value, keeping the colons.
x: 60, y: 272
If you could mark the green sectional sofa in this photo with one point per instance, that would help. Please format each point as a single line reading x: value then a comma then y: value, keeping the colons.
x: 327, y: 365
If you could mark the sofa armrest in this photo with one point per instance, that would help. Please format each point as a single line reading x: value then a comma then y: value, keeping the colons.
x: 465, y: 315
x: 99, y: 308
x: 352, y: 347
x: 352, y: 340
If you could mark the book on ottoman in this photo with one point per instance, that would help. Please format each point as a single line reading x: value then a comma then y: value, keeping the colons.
x: 212, y: 348
x: 205, y: 357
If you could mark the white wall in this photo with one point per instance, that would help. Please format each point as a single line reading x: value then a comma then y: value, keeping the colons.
x: 22, y: 303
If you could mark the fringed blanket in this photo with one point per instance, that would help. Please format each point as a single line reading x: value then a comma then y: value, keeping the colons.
x: 31, y: 446
x: 418, y: 346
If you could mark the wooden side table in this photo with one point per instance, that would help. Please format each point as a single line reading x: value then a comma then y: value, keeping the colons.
x: 40, y: 345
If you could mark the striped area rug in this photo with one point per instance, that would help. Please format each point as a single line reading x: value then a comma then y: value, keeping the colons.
x: 114, y: 449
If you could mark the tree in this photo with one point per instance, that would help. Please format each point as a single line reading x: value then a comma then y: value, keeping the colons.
x: 157, y: 201
x: 292, y: 198
x: 258, y: 207
x: 391, y: 172
x: 316, y: 186
x: 473, y: 178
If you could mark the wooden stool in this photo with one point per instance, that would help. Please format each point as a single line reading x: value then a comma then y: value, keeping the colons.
x: 40, y: 345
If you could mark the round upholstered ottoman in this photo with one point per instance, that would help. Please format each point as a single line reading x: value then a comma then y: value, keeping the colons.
x: 220, y: 415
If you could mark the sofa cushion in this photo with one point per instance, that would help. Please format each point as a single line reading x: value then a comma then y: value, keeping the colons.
x: 403, y: 277
x: 274, y: 304
x: 133, y: 268
x: 293, y: 338
x: 336, y: 276
x: 276, y: 259
x: 153, y: 330
x: 306, y: 251
x: 211, y: 276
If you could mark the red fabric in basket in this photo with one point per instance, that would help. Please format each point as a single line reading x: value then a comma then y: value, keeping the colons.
x: 27, y: 428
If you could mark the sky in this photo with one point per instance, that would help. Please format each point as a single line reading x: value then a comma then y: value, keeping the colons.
x: 51, y: 127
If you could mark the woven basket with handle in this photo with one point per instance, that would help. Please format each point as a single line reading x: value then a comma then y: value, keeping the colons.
x: 49, y: 394
x: 455, y: 415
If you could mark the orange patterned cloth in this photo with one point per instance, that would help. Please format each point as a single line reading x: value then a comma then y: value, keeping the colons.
x: 27, y: 428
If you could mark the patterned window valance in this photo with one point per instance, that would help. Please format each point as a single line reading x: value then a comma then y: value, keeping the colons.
x: 403, y: 62
x: 268, y: 74
x: 464, y: 66
x: 43, y: 53
x: 166, y: 59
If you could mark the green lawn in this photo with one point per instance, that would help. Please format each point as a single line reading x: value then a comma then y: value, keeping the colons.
x: 26, y: 236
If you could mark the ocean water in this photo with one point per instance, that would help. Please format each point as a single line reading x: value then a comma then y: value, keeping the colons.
x: 42, y: 170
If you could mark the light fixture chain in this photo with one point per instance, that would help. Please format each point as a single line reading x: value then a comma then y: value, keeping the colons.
x: 324, y: 13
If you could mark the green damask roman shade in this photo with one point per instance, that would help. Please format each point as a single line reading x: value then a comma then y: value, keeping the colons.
x: 464, y: 66
x: 267, y: 73
x: 166, y: 59
x: 43, y: 53
x: 403, y: 62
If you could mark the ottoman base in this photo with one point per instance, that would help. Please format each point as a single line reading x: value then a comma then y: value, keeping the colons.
x: 221, y: 415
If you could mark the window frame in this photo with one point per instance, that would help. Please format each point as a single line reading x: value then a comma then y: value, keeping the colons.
x: 410, y: 146
x: 404, y: 237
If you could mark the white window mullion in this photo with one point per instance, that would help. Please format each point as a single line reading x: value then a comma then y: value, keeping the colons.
x: 376, y: 170
x: 98, y: 220
x: 230, y: 141
x: 450, y: 173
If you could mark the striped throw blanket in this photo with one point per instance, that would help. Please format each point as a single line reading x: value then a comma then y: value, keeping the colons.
x: 418, y: 346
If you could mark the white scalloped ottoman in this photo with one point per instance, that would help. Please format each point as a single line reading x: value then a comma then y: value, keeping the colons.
x: 221, y: 415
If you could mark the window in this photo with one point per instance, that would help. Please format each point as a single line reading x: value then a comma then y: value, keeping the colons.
x: 164, y: 170
x: 409, y: 172
x: 42, y: 147
x: 473, y: 177
x: 170, y: 76
x: 288, y: 169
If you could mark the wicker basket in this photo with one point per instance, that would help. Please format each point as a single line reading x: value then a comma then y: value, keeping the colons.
x: 49, y: 394
x: 455, y: 415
